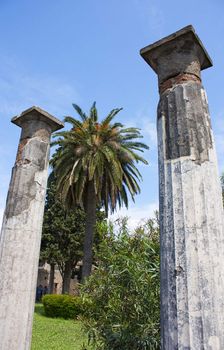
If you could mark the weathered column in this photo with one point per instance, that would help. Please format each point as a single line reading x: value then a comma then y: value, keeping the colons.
x: 21, y: 229
x: 191, y: 213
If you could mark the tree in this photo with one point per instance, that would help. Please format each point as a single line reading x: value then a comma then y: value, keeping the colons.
x: 122, y: 295
x: 95, y: 164
x: 62, y: 238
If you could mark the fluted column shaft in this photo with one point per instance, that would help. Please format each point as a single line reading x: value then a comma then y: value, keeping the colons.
x: 191, y: 212
x: 21, y: 230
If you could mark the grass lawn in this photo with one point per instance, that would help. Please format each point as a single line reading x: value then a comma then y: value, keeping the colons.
x: 55, y: 333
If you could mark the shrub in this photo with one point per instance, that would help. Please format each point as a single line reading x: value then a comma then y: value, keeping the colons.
x: 123, y: 291
x: 65, y: 306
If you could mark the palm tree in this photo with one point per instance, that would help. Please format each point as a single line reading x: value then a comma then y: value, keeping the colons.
x: 95, y: 165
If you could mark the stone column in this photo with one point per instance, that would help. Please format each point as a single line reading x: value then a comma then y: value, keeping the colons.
x: 191, y: 212
x: 21, y: 229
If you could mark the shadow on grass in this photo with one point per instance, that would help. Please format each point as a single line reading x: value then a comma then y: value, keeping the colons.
x: 39, y: 309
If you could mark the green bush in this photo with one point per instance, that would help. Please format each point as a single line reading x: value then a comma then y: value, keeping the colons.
x: 123, y: 292
x: 64, y: 306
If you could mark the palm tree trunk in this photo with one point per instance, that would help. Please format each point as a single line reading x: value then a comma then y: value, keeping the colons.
x: 90, y: 208
x: 51, y: 281
x: 66, y: 278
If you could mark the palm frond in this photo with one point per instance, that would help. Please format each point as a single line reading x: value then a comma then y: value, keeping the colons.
x: 105, y: 153
x: 75, y: 123
x: 80, y: 112
x: 110, y: 116
x: 93, y: 112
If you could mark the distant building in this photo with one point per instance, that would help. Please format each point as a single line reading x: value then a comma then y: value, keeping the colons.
x: 43, y: 278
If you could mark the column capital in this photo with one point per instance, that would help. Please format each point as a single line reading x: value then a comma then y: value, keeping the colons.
x: 179, y: 53
x: 37, y: 114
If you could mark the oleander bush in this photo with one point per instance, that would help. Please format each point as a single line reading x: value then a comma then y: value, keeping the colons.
x: 123, y: 291
x: 64, y: 306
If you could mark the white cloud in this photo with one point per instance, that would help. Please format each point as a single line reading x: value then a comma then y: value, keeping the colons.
x: 147, y: 124
x: 136, y: 214
x: 219, y: 141
x: 149, y: 130
x: 152, y: 15
x: 20, y: 90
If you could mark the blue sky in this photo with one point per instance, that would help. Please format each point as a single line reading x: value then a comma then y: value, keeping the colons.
x: 54, y: 53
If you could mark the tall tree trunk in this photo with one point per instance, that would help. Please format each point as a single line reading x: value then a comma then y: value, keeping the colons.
x: 90, y: 208
x: 51, y: 281
x: 66, y: 278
